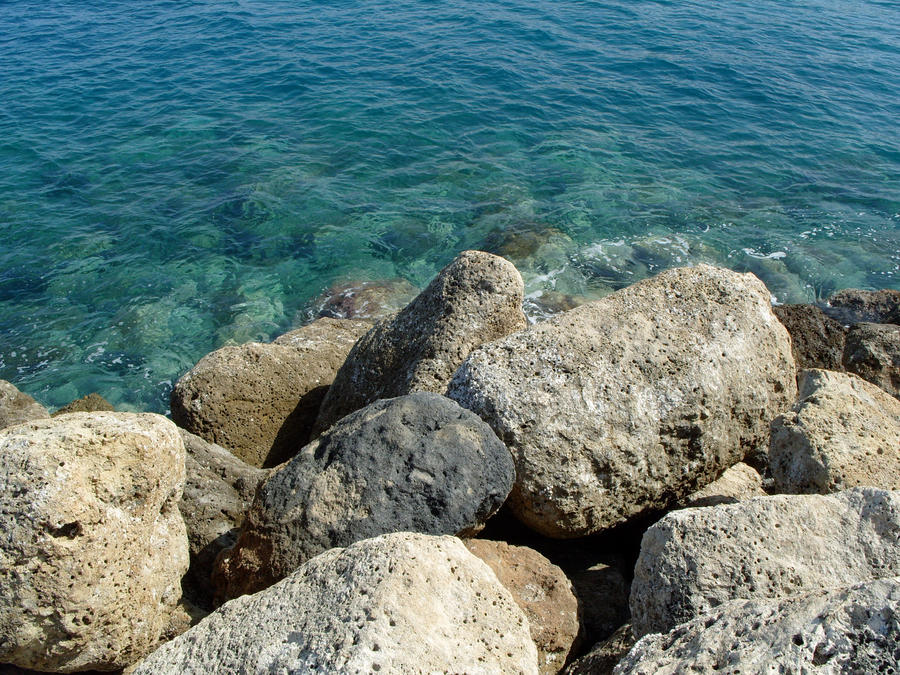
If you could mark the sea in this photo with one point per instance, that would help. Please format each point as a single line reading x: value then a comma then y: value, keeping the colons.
x: 176, y: 176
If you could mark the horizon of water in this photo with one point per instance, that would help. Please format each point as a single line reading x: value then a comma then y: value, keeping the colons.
x: 176, y: 176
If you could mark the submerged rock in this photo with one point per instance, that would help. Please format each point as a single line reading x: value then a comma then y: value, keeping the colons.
x: 398, y: 603
x: 627, y: 404
x: 94, y: 547
x: 90, y: 403
x: 17, y: 407
x: 414, y: 463
x: 475, y: 299
x: 872, y: 351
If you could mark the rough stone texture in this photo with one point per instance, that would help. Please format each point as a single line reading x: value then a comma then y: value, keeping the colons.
x: 260, y: 400
x: 90, y: 403
x: 843, y: 432
x: 817, y: 341
x: 850, y: 630
x: 694, y: 560
x: 738, y: 483
x: 853, y: 305
x: 542, y: 591
x: 603, y: 657
x: 218, y: 490
x: 415, y: 463
x: 398, y: 603
x: 629, y: 403
x: 93, y: 547
x: 872, y: 351
x: 354, y: 299
x: 602, y: 593
x: 17, y: 407
x: 476, y: 298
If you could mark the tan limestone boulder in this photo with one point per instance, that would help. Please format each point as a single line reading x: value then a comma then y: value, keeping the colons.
x: 90, y: 403
x: 17, y: 406
x: 738, y: 483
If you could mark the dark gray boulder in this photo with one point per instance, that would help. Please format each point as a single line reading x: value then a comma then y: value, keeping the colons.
x: 872, y: 351
x: 817, y: 341
x: 853, y: 305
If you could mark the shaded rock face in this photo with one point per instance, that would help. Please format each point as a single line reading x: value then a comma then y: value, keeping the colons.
x: 17, y: 407
x: 218, y: 490
x: 738, y: 483
x: 872, y: 351
x: 694, y: 560
x: 260, y: 400
x: 542, y: 591
x: 398, y: 603
x: 602, y: 593
x: 842, y: 433
x: 604, y: 656
x: 90, y: 403
x: 94, y: 547
x: 850, y: 630
x: 853, y: 306
x: 476, y: 298
x: 817, y: 341
x: 418, y: 463
x: 626, y: 404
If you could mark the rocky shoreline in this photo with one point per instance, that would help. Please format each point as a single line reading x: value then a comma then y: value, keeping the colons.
x: 675, y: 477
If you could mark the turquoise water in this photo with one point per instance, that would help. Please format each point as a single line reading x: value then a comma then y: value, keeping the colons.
x: 178, y: 175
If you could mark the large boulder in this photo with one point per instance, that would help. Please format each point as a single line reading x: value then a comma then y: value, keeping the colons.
x: 93, y: 547
x: 848, y: 630
x: 843, y: 432
x: 853, y: 305
x: 626, y: 404
x: 476, y: 298
x: 738, y: 483
x: 817, y: 340
x: 872, y: 351
x: 543, y: 592
x: 17, y: 406
x: 398, y: 603
x: 694, y: 560
x: 415, y: 463
x: 259, y: 400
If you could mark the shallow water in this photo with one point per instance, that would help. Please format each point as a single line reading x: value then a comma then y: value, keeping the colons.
x: 178, y: 175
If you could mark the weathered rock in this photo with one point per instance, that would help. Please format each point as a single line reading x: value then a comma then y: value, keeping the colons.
x: 853, y: 305
x: 604, y: 656
x: 415, y: 463
x: 475, y: 299
x: 843, y: 432
x: 398, y: 603
x: 370, y: 300
x: 94, y: 548
x: 542, y: 591
x: 602, y: 593
x: 90, y: 403
x: 738, y: 483
x: 17, y: 406
x: 694, y: 560
x: 218, y: 490
x: 629, y: 403
x: 872, y: 351
x: 850, y: 630
x: 817, y: 341
x: 260, y: 400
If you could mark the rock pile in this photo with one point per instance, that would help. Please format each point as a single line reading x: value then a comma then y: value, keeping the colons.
x: 669, y: 502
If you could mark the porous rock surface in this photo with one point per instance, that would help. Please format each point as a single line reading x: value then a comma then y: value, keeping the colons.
x: 93, y: 547
x: 259, y: 400
x: 631, y: 402
x: 848, y: 630
x: 415, y: 463
x: 817, y: 340
x: 843, y: 432
x: 853, y: 305
x: 398, y: 603
x: 694, y: 560
x: 90, y: 403
x: 604, y: 656
x: 872, y: 351
x: 543, y: 592
x: 17, y: 406
x: 476, y: 298
x: 739, y: 482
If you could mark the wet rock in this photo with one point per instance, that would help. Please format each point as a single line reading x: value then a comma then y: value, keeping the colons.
x: 694, y: 560
x: 850, y: 630
x: 94, y: 547
x: 872, y: 351
x: 542, y: 591
x: 17, y: 406
x: 369, y: 300
x: 629, y: 403
x: 90, y: 403
x: 817, y: 341
x: 604, y: 656
x: 475, y: 299
x: 398, y: 603
x: 738, y: 483
x: 853, y: 306
x: 415, y: 463
x: 260, y: 400
x: 843, y: 432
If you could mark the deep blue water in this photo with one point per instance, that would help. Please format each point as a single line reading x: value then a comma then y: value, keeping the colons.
x: 177, y: 175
